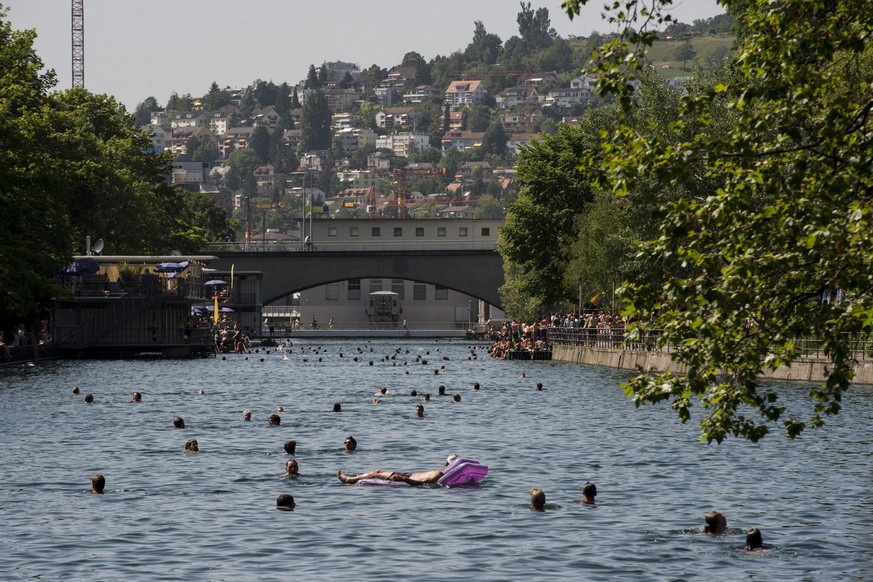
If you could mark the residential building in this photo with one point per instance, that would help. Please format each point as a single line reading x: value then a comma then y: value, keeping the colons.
x: 158, y: 136
x: 359, y: 179
x: 236, y: 138
x: 341, y: 99
x: 352, y: 139
x: 421, y: 94
x: 178, y: 140
x: 222, y: 119
x: 190, y: 119
x: 265, y: 178
x: 464, y: 93
x: 404, y: 143
x: 265, y: 117
x: 340, y: 68
x: 462, y: 140
x: 395, y: 116
x: 189, y: 172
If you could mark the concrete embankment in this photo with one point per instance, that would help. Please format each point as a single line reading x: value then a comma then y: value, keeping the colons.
x: 809, y: 370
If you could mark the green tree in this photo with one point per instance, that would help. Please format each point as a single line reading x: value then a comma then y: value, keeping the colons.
x: 216, y: 98
x: 179, y: 103
x: 316, y: 125
x: 495, y: 139
x: 784, y: 222
x: 488, y: 207
x: 312, y: 81
x: 684, y: 52
x: 540, y: 224
x: 145, y: 109
x: 260, y: 143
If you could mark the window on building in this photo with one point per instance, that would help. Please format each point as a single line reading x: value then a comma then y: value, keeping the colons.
x: 462, y: 231
x: 375, y: 285
x: 353, y: 231
x: 376, y: 231
x: 486, y: 231
x: 440, y: 292
x: 331, y: 292
x: 441, y: 231
x: 399, y: 286
x: 419, y: 291
x: 398, y: 231
x: 419, y: 231
x: 331, y: 231
x: 354, y: 289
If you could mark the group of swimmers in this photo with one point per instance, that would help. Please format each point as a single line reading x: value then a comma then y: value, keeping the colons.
x: 715, y: 522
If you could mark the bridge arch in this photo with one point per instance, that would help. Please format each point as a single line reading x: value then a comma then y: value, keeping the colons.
x: 477, y: 273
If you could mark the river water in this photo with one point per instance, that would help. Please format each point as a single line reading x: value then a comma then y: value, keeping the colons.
x: 168, y: 514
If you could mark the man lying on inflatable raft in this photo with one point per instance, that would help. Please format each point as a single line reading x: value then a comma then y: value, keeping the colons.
x: 456, y: 471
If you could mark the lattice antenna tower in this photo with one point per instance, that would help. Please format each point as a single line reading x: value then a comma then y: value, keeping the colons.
x: 78, y: 43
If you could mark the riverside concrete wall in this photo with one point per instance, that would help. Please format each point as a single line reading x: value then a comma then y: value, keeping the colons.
x: 812, y: 371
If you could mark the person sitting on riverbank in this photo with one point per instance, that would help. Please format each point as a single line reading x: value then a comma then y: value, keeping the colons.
x: 98, y: 482
x: 537, y: 499
x: 714, y: 523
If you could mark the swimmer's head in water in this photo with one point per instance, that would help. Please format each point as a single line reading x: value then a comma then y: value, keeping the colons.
x: 589, y: 492
x: 137, y: 397
x: 450, y: 459
x: 247, y: 414
x: 715, y: 523
x: 274, y: 420
x: 456, y: 397
x: 291, y: 467
x: 419, y: 411
x: 290, y: 447
x: 537, y: 499
x: 98, y: 482
x: 337, y: 407
x: 178, y: 422
x: 89, y: 398
x: 192, y: 445
x: 285, y: 502
x: 350, y: 443
x: 754, y: 539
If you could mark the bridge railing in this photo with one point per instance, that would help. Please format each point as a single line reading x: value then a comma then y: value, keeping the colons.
x: 407, y: 244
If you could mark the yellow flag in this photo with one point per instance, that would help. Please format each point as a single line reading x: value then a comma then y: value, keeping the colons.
x: 215, y: 311
x: 231, y: 275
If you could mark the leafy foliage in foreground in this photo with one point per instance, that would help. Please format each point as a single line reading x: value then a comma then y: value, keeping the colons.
x: 788, y: 218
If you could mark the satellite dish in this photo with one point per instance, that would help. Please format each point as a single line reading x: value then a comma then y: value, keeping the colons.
x: 98, y: 246
x: 175, y: 253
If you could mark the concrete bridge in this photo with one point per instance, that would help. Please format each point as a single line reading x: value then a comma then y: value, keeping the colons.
x: 475, y: 272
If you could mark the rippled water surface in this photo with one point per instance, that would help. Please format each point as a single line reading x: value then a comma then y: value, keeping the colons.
x: 211, y: 515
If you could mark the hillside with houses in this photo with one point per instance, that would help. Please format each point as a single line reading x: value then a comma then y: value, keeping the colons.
x: 416, y: 139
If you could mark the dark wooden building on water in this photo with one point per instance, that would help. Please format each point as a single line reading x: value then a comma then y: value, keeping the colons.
x: 135, y: 306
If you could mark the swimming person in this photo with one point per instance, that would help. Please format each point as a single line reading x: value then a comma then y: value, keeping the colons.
x: 537, y: 499
x: 178, y: 422
x: 754, y: 539
x: 285, y: 502
x: 137, y: 397
x: 247, y: 414
x: 290, y: 447
x: 715, y: 523
x: 292, y: 469
x: 98, y: 482
x: 350, y: 443
x: 192, y: 446
x: 419, y: 411
x: 589, y: 492
x: 274, y: 420
x: 419, y: 478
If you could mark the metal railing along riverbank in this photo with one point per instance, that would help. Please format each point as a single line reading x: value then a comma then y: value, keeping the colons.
x: 615, y: 338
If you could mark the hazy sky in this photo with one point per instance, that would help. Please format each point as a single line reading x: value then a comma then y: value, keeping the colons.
x: 134, y: 50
